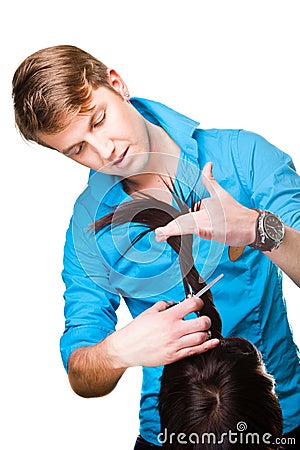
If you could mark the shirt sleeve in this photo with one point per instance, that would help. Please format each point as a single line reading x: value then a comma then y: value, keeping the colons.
x: 90, y: 302
x: 269, y: 176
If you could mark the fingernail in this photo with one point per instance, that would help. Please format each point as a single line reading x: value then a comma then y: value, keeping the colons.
x: 160, y: 236
x: 170, y: 303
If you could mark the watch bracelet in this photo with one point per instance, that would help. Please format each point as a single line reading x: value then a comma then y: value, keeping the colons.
x: 260, y: 242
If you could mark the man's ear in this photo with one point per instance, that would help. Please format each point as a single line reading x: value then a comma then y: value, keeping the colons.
x: 117, y: 82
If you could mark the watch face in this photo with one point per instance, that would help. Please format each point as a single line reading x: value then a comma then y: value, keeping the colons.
x: 273, y: 227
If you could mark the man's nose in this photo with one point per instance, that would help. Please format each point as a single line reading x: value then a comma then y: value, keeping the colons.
x: 105, y: 148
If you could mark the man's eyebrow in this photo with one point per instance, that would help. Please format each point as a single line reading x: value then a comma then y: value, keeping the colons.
x: 95, y: 111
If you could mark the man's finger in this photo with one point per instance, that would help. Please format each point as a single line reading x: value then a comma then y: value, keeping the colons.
x: 188, y: 305
x: 185, y: 224
x: 192, y: 339
x: 159, y: 306
x: 209, y: 181
x: 190, y: 351
x: 199, y: 325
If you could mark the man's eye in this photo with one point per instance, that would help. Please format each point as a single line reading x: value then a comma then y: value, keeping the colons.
x: 78, y: 150
x: 99, y: 121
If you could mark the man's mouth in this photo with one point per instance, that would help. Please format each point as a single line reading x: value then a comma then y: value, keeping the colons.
x: 118, y: 162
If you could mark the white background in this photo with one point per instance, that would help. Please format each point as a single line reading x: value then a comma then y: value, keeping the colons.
x: 229, y: 64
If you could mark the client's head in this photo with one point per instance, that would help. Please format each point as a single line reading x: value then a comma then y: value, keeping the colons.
x: 221, y: 399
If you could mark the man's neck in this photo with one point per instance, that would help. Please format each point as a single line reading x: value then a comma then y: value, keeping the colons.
x: 162, y: 164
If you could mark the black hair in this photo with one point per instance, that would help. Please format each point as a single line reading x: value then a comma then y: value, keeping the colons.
x: 153, y: 213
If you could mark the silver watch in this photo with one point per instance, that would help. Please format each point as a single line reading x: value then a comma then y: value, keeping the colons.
x: 269, y: 232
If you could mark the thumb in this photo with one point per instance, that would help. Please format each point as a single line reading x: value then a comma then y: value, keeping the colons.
x: 208, y: 180
x: 160, y: 306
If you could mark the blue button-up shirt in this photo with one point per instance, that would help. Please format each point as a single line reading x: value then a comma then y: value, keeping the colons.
x: 99, y: 270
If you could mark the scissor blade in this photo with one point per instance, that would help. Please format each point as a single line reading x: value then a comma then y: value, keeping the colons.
x: 208, y: 286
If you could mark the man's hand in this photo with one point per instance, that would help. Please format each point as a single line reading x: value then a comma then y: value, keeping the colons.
x: 221, y: 218
x: 160, y: 335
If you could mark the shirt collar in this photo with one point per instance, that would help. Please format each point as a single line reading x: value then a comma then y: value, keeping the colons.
x: 168, y: 119
x: 108, y: 188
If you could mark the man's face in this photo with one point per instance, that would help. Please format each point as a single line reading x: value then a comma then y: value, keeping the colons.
x: 112, y: 138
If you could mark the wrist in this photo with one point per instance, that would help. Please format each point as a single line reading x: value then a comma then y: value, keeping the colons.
x: 253, y: 217
x: 269, y: 232
x: 115, y: 352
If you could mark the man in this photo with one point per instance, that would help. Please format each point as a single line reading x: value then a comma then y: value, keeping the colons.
x: 67, y: 100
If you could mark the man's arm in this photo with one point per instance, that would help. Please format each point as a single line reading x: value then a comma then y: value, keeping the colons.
x: 91, y: 370
x: 158, y: 336
x: 287, y: 256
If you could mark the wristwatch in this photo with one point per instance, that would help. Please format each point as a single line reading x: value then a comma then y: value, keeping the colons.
x: 269, y: 232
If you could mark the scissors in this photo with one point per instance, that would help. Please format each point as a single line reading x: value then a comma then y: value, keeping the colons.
x: 208, y: 286
x: 201, y: 292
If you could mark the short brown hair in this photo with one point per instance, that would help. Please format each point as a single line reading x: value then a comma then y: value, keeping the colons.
x: 52, y: 86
